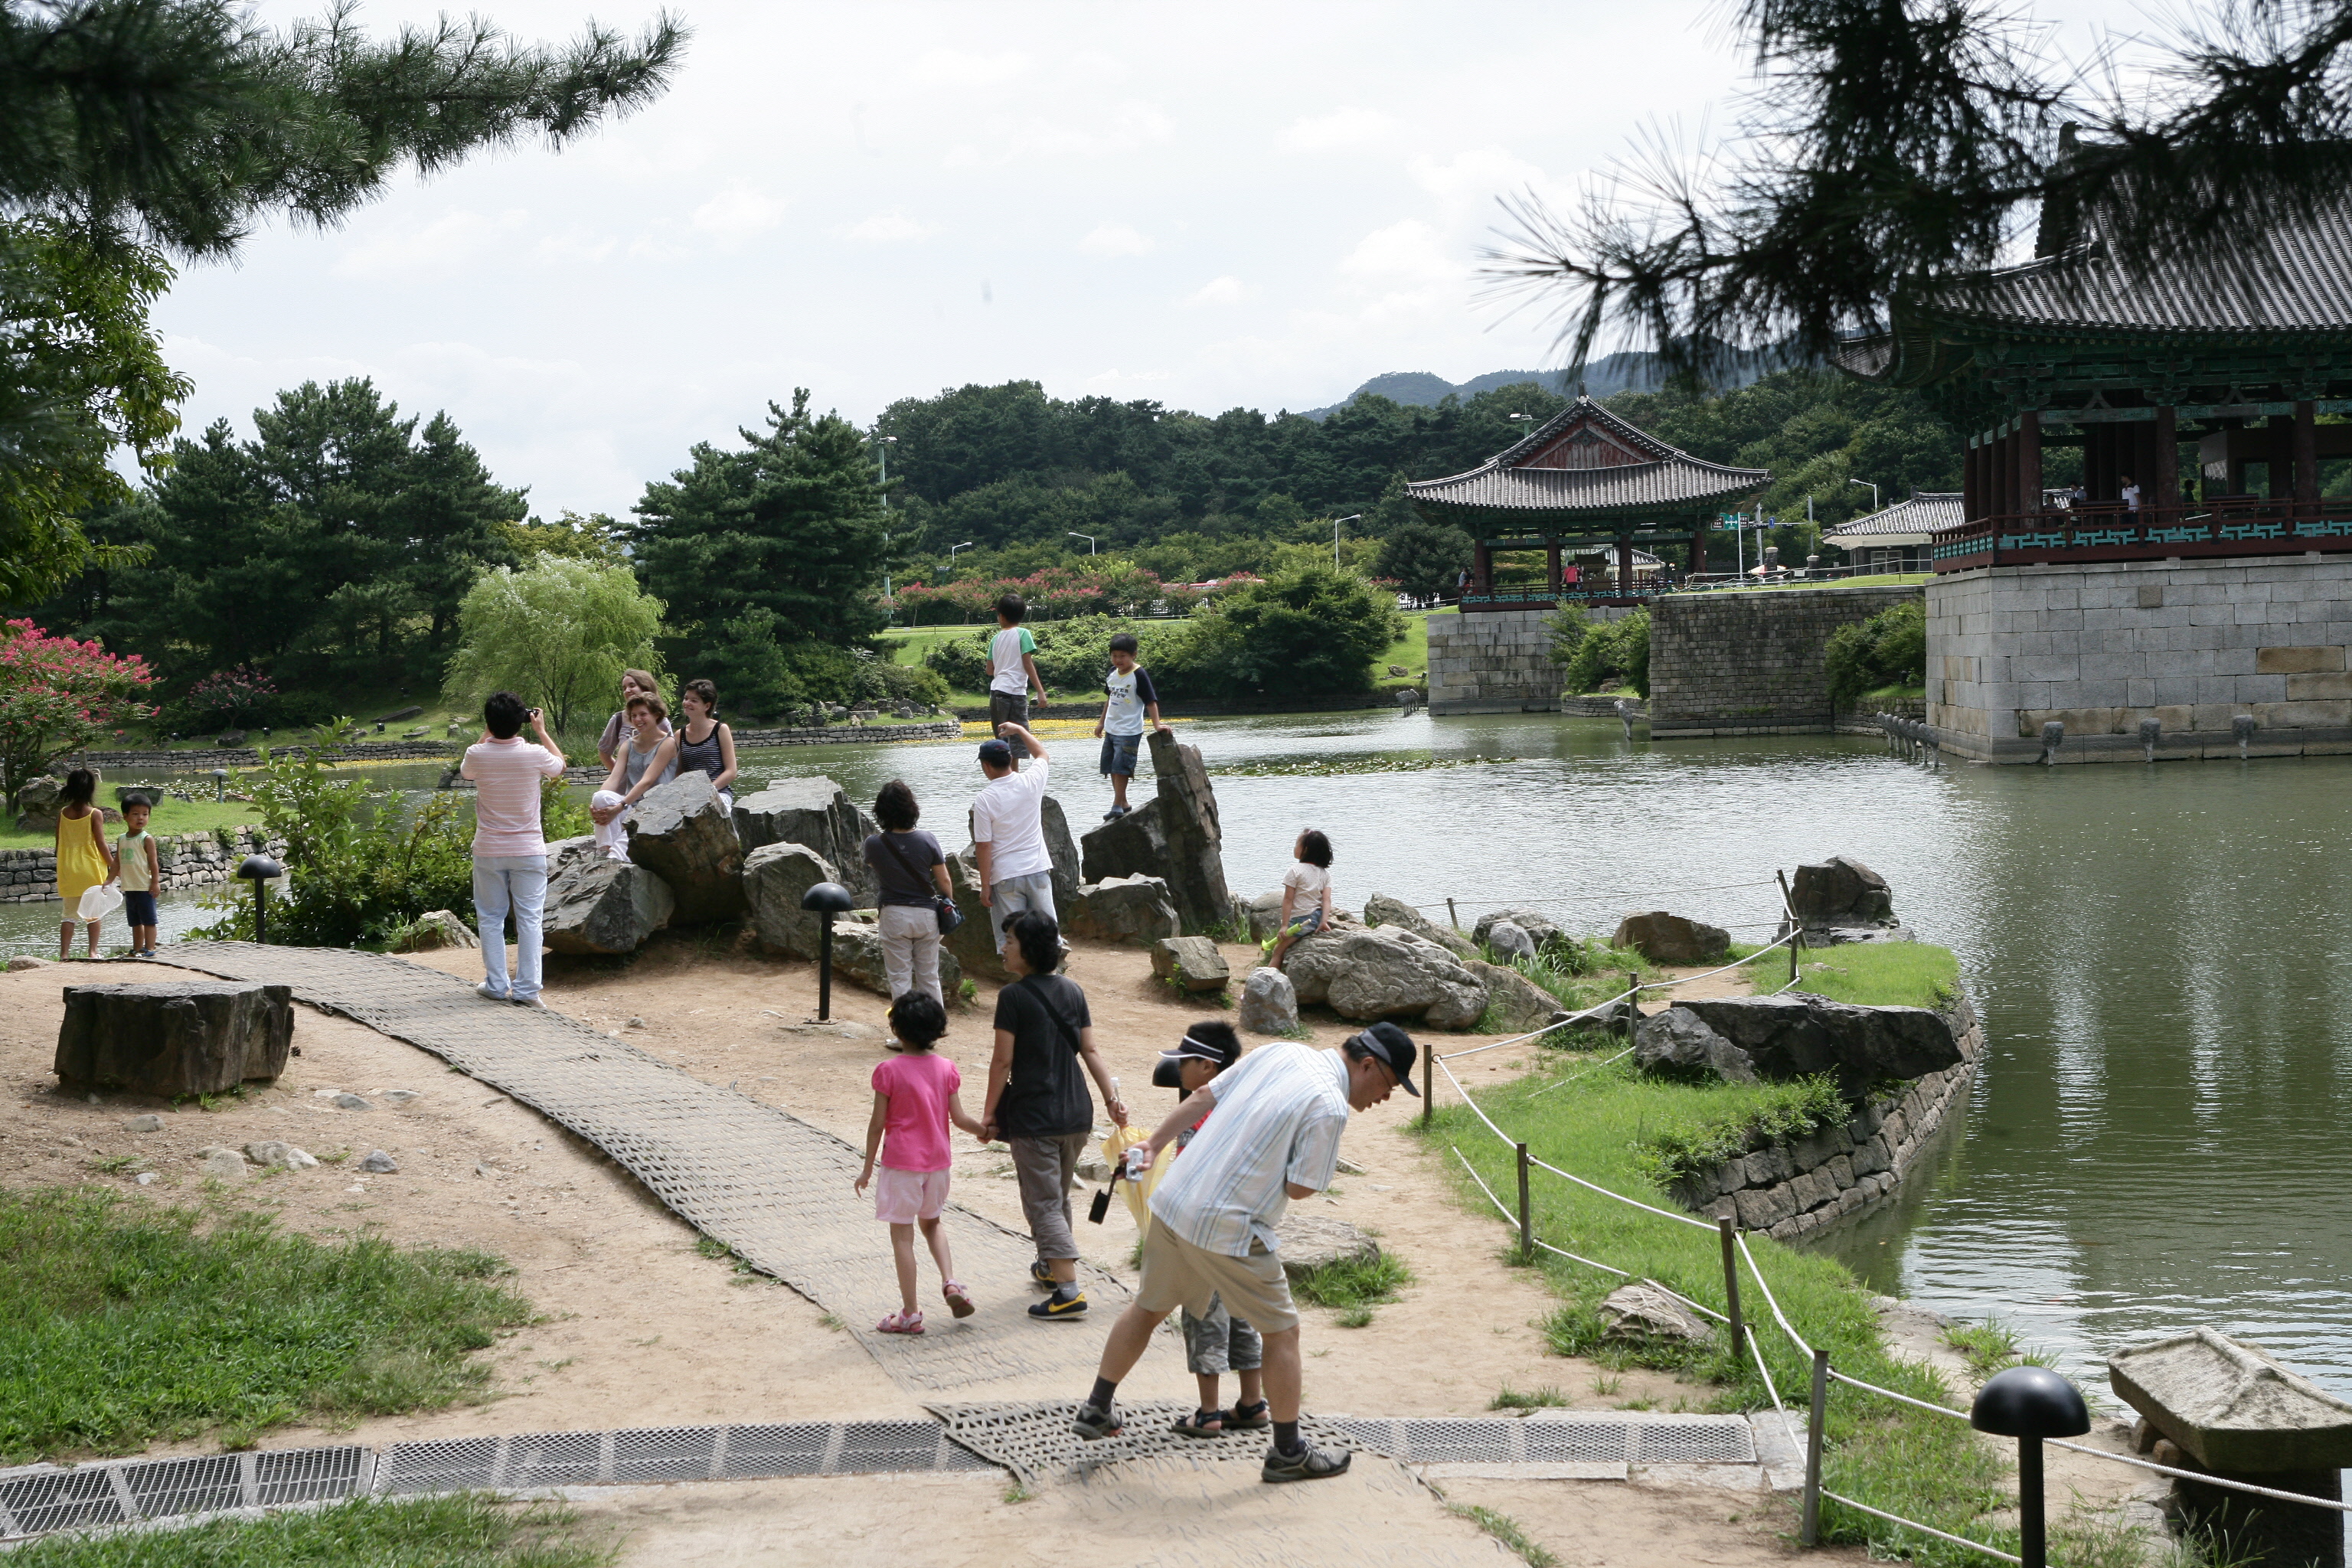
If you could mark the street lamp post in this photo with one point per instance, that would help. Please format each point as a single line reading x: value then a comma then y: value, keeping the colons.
x: 1336, y: 522
x: 1088, y: 537
x: 887, y: 442
x: 1866, y: 484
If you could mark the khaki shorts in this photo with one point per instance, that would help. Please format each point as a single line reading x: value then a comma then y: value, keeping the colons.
x: 1178, y: 1274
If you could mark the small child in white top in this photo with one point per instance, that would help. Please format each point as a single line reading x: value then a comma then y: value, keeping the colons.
x: 1306, y: 892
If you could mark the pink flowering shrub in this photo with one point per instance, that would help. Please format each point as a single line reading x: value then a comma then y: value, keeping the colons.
x: 56, y: 696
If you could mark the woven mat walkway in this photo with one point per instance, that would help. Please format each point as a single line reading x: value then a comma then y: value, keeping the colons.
x: 771, y: 1187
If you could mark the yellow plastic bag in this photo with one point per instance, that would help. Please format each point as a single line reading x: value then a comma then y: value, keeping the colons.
x: 1137, y: 1194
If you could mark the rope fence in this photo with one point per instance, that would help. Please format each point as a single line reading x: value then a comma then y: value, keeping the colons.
x: 1735, y: 1240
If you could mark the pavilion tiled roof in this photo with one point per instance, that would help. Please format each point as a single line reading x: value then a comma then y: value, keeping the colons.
x: 1918, y: 516
x: 1672, y: 479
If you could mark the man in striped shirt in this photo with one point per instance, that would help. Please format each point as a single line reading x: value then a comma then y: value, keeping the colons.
x: 1275, y: 1136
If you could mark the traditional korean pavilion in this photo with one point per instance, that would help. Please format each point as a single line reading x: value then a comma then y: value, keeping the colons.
x: 1896, y: 538
x: 2198, y: 384
x: 1582, y: 481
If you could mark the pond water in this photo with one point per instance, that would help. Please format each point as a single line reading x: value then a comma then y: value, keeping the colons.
x: 2162, y: 956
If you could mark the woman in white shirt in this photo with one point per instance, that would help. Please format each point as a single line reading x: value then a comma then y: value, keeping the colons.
x: 1306, y: 892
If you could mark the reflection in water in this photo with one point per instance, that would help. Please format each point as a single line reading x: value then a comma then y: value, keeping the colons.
x: 2161, y: 954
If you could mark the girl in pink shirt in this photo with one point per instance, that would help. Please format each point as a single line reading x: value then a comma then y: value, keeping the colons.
x: 915, y: 1095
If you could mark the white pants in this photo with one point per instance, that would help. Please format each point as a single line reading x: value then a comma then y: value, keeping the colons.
x: 611, y: 837
x: 910, y: 949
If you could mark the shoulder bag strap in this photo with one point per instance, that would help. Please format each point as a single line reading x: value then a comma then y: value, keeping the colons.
x: 1069, y: 1036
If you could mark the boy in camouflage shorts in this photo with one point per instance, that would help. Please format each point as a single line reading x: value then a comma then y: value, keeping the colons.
x: 1215, y: 1341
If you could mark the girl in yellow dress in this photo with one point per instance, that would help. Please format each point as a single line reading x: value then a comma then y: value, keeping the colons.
x: 83, y: 859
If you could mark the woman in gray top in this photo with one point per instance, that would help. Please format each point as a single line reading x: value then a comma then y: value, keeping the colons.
x: 608, y: 805
x: 910, y: 869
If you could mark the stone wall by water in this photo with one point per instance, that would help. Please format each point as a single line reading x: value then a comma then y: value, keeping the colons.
x: 201, y: 762
x: 1751, y: 663
x: 1498, y: 663
x: 2098, y: 648
x: 1793, y: 1188
x: 188, y: 859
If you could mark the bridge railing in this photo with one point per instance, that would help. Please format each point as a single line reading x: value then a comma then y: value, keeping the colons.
x: 2232, y: 525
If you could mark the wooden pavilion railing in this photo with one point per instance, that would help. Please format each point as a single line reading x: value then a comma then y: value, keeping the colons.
x: 2234, y: 525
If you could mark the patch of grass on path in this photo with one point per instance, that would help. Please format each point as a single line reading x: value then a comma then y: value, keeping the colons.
x: 1923, y: 1467
x: 123, y: 1324
x: 1354, y: 1282
x: 468, y: 1530
x: 1869, y: 974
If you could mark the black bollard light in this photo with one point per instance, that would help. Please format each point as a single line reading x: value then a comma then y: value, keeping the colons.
x: 825, y: 899
x: 260, y: 868
x: 2029, y: 1404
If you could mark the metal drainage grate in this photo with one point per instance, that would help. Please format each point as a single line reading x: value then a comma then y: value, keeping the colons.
x: 1035, y: 1443
x: 1560, y: 1438
x: 38, y: 1499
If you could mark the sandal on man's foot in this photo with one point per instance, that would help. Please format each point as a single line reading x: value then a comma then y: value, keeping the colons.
x: 1253, y: 1417
x: 900, y: 1323
x: 1094, y: 1425
x: 959, y: 1299
x: 1201, y: 1423
x: 1309, y: 1464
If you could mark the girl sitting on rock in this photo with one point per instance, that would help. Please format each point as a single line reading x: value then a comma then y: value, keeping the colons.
x: 1306, y: 892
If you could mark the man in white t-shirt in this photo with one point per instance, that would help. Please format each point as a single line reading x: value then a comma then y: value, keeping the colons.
x: 2128, y: 493
x: 1008, y: 832
x: 1012, y: 667
x: 509, y: 851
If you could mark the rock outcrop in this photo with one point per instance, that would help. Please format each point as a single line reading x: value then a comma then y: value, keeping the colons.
x: 1794, y: 1036
x: 1508, y: 940
x: 1642, y: 1315
x: 1307, y: 1241
x: 1514, y: 1004
x: 1191, y: 963
x: 434, y: 930
x: 1136, y: 910
x: 1380, y: 910
x: 605, y: 907
x: 1662, y: 938
x: 681, y: 833
x: 857, y: 955
x: 1680, y: 1038
x: 1268, y: 1006
x: 818, y: 814
x: 1841, y: 899
x: 974, y: 941
x: 174, y: 1039
x: 775, y: 876
x: 1385, y: 974
x: 1539, y: 926
x: 1176, y: 836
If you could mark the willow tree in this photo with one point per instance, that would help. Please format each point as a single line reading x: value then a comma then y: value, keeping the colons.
x: 558, y: 634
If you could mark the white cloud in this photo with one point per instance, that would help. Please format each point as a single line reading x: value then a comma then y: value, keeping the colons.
x: 999, y: 140
x: 954, y: 68
x: 739, y: 213
x: 1410, y: 251
x: 451, y: 241
x: 1225, y: 290
x: 1341, y: 128
x: 892, y: 228
x: 1116, y: 240
x: 1110, y: 378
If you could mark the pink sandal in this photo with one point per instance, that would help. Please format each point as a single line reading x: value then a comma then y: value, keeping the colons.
x: 900, y: 1323
x: 959, y: 1299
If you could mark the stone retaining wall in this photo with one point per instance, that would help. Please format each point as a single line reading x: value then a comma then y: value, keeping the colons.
x: 188, y: 861
x: 1751, y: 663
x: 247, y: 757
x: 1792, y: 1189
x: 1498, y: 663
x: 2192, y: 644
x: 846, y: 734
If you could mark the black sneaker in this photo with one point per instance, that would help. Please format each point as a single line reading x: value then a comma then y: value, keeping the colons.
x: 1042, y: 1273
x: 1069, y: 1302
x: 1309, y: 1464
x: 1094, y: 1425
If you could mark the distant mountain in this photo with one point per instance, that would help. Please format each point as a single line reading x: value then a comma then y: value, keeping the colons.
x: 1603, y: 377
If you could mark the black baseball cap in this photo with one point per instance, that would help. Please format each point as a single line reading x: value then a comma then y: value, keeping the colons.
x: 1394, y: 1047
x: 996, y: 754
x: 1172, y: 1062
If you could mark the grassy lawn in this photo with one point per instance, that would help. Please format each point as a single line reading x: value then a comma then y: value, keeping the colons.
x: 1410, y: 650
x: 1870, y: 973
x: 468, y: 1531
x: 170, y: 816
x: 123, y: 1324
x: 1627, y: 1131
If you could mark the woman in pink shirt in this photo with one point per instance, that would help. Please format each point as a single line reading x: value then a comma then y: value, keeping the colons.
x: 915, y: 1095
x: 509, y: 853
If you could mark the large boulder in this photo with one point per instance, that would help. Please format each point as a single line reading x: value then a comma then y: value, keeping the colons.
x: 1841, y: 892
x: 562, y: 853
x: 1509, y: 941
x: 1680, y: 1038
x: 1641, y: 1315
x: 1539, y: 926
x: 1136, y: 910
x: 1794, y: 1035
x: 775, y: 878
x: 1268, y: 1004
x: 1307, y: 1241
x: 818, y: 814
x: 1261, y: 916
x: 433, y: 930
x: 1175, y: 837
x: 1063, y: 851
x: 974, y: 941
x: 37, y: 803
x: 1385, y: 974
x: 681, y: 833
x: 2232, y: 1407
x: 1662, y: 938
x: 605, y: 907
x: 1514, y: 1004
x: 1380, y: 910
x: 1189, y: 963
x: 174, y: 1039
x: 857, y: 955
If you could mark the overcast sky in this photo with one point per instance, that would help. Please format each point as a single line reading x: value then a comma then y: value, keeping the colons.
x: 1208, y: 203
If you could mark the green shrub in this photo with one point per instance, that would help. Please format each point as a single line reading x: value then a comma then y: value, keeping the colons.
x: 913, y: 683
x: 1354, y: 1282
x: 360, y: 868
x: 1616, y: 652
x: 1747, y: 1119
x: 1888, y: 649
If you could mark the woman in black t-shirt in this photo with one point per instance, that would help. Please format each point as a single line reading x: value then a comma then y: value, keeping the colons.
x: 911, y: 870
x: 1037, y: 1101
